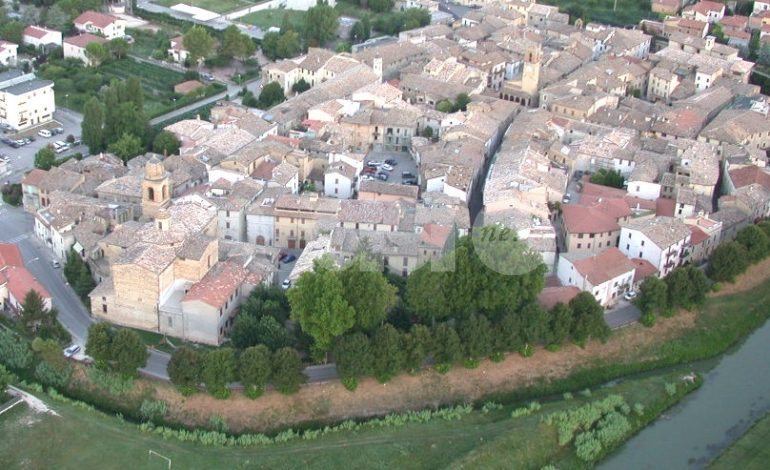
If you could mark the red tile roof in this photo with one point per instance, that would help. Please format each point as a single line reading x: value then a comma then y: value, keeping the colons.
x: 218, y: 285
x: 603, y: 266
x: 264, y: 171
x: 644, y: 269
x: 10, y: 255
x: 581, y: 219
x: 736, y: 21
x: 698, y: 236
x: 591, y: 189
x: 82, y: 40
x: 35, y: 32
x: 294, y: 143
x: 749, y: 175
x: 34, y: 177
x: 550, y: 296
x: 100, y: 20
x: 20, y: 282
x: 435, y: 235
x: 705, y: 6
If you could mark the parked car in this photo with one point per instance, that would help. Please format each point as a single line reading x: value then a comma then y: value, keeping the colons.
x: 57, y: 130
x: 207, y: 76
x: 370, y: 169
x: 411, y: 181
x: 289, y: 258
x: 387, y: 167
x: 55, y: 264
x: 71, y: 350
x: 630, y: 295
x: 286, y: 284
x: 391, y: 162
x: 44, y: 133
x: 567, y: 198
x: 6, y: 141
x: 367, y: 178
x: 407, y: 175
x: 129, y: 39
x: 374, y: 163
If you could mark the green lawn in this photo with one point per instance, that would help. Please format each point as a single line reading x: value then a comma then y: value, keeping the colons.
x: 628, y: 13
x: 266, y: 18
x: 750, y: 452
x: 87, y: 439
x: 217, y: 6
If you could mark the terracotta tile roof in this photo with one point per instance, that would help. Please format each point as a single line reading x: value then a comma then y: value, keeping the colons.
x: 100, y: 20
x: 581, y: 219
x: 748, y: 175
x: 19, y: 282
x: 644, y: 269
x: 698, y: 236
x: 604, y: 266
x: 35, y: 32
x: 704, y: 7
x: 436, y: 235
x: 550, y: 296
x: 218, y: 285
x: 82, y: 40
x: 10, y: 255
x: 591, y: 189
x: 736, y: 21
x: 34, y: 177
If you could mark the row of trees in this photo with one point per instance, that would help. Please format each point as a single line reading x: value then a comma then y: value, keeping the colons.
x: 684, y: 287
x: 234, y: 45
x: 37, y: 320
x: 388, y: 352
x: 254, y: 367
x: 751, y: 245
x: 460, y: 104
x: 116, y: 48
x: 78, y: 274
x: 121, y: 351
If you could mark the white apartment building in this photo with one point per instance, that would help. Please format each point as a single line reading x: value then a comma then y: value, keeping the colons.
x: 663, y: 241
x: 25, y: 100
x: 8, y: 53
x: 606, y: 275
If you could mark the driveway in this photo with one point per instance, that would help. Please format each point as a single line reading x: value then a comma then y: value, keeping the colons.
x: 23, y: 159
x: 622, y: 314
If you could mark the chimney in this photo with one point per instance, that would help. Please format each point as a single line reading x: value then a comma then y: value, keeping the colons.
x: 377, y: 66
x: 162, y: 220
x: 709, y: 43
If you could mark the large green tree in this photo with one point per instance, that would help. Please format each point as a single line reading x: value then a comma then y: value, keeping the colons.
x: 128, y: 352
x: 653, y: 296
x: 448, y: 347
x: 254, y: 369
x: 219, y: 369
x: 363, y: 275
x: 97, y: 53
x: 559, y: 324
x: 99, y: 343
x: 388, y: 353
x: 476, y: 335
x: 589, y: 319
x: 184, y: 368
x: 127, y: 146
x: 318, y: 303
x: 507, y: 333
x: 34, y: 315
x: 45, y: 159
x: 199, y: 43
x: 320, y: 24
x: 418, y: 345
x: 271, y: 95
x: 118, y: 47
x: 353, y: 357
x: 611, y: 178
x: 288, y: 372
x: 686, y: 287
x: 166, y: 143
x: 727, y: 261
x: 92, y: 127
x: 755, y: 241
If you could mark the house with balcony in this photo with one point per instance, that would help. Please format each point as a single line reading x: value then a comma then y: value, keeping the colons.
x: 607, y: 275
x: 663, y: 241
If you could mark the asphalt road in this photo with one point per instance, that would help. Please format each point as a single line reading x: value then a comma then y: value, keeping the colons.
x: 623, y: 314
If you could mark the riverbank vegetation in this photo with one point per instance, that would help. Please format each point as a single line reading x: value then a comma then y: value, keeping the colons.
x: 750, y: 452
x: 460, y: 436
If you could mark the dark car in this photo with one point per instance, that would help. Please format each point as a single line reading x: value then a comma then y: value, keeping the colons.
x: 407, y: 175
x: 290, y: 258
x: 391, y: 162
x: 6, y: 141
x: 382, y: 176
x: 411, y: 181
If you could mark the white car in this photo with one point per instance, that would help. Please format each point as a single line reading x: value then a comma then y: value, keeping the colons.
x: 387, y: 167
x: 71, y: 350
x: 567, y: 198
x: 286, y: 284
x: 375, y: 163
x: 630, y: 295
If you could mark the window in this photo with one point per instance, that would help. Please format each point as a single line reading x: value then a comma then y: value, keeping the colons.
x: 580, y: 235
x: 640, y: 254
x: 580, y: 245
x: 385, y: 261
x: 406, y: 261
x: 277, y: 233
x: 592, y: 235
x: 227, y: 213
x: 629, y: 236
x: 336, y: 181
x: 589, y: 246
x: 628, y: 246
x: 104, y: 308
x: 170, y: 322
x: 227, y: 225
x: 642, y: 242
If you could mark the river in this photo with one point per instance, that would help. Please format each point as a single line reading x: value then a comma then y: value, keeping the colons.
x: 735, y: 393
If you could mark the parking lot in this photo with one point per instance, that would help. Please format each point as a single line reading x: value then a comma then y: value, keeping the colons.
x: 22, y: 159
x: 403, y: 162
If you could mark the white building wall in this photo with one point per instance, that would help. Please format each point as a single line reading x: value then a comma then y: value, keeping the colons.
x: 644, y: 190
x: 263, y: 226
x: 338, y: 185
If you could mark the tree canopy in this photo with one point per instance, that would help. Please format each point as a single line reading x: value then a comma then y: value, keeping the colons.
x: 45, y: 158
x: 166, y: 143
x: 271, y: 95
x: 320, y: 24
x: 611, y: 178
x: 199, y: 43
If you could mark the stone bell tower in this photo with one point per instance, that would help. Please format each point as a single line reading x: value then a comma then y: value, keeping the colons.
x: 156, y: 188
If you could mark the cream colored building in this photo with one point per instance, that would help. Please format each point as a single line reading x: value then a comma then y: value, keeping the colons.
x: 93, y: 22
x: 25, y: 101
x: 75, y: 47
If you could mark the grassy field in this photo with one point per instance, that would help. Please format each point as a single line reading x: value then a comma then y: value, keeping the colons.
x: 266, y: 18
x: 628, y: 13
x: 217, y: 6
x: 88, y: 439
x: 750, y: 452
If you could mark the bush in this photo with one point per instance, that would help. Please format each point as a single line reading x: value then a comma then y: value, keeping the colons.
x: 671, y: 389
x: 53, y: 376
x: 471, y: 363
x: 441, y: 368
x: 567, y: 396
x: 647, y: 319
x: 497, y: 357
x: 350, y: 383
x: 12, y: 194
x: 153, y: 410
x: 115, y: 384
x: 218, y: 423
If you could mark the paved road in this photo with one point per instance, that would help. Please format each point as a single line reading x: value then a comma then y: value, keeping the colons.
x: 17, y: 227
x: 623, y: 314
x: 458, y: 11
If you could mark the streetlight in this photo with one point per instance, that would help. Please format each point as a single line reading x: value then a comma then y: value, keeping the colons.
x: 66, y: 100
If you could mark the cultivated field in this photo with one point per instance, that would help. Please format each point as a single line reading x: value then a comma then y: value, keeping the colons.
x: 217, y: 6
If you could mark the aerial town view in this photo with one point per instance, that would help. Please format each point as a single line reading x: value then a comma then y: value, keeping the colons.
x: 385, y: 234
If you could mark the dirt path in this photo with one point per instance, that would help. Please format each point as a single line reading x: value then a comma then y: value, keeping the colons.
x: 330, y: 401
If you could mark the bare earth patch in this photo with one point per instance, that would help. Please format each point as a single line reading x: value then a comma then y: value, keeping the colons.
x: 330, y: 401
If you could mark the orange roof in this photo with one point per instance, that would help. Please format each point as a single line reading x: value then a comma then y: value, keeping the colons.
x: 644, y: 269
x: 698, y: 236
x: 20, y: 282
x: 736, y: 21
x: 550, y: 296
x: 100, y: 20
x: 581, y: 219
x: 603, y: 266
x: 294, y: 143
x: 692, y: 24
x: 10, y: 255
x: 591, y: 189
x: 34, y: 177
x: 82, y: 40
x: 435, y: 235
x: 218, y: 285
x: 264, y: 171
x: 705, y: 6
x: 749, y: 175
x: 35, y: 32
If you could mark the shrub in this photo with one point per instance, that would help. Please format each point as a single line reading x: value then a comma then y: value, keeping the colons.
x: 716, y: 287
x: 441, y: 368
x: 527, y: 350
x: 115, y: 384
x: 491, y: 406
x: 218, y: 423
x: 671, y: 389
x: 14, y: 350
x: 552, y: 347
x: 471, y: 363
x: 639, y: 409
x: 497, y: 357
x: 586, y: 392
x: 647, y: 319
x: 669, y: 312
x: 53, y: 376
x: 152, y: 410
x: 350, y: 383
x: 567, y: 396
